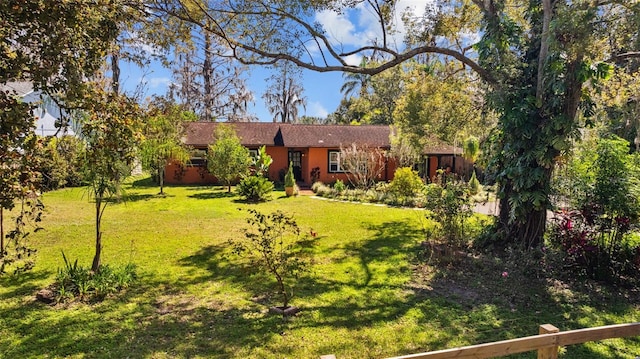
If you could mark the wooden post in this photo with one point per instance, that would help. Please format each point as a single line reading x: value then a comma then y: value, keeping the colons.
x: 548, y: 352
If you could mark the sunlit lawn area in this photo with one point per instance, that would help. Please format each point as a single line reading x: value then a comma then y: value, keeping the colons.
x: 367, y: 294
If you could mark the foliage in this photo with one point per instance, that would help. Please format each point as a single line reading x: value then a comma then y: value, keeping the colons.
x: 538, y: 61
x: 588, y: 251
x: 262, y: 162
x: 362, y: 164
x: 33, y: 48
x: 227, y: 158
x: 449, y: 205
x: 163, y: 134
x: 289, y: 179
x: 406, y: 183
x: 206, y: 81
x: 272, y: 243
x: 595, y: 237
x: 339, y: 186
x: 436, y: 105
x: 75, y: 281
x: 20, y: 181
x: 471, y: 148
x: 403, y: 151
x: 474, y: 184
x: 111, y: 130
x: 378, y: 95
x: 61, y: 162
x: 255, y: 188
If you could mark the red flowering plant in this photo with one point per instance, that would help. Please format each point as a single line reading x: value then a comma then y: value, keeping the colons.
x: 576, y: 237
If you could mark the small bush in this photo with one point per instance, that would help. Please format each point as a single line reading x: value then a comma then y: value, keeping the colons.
x: 272, y: 242
x: 474, y: 184
x: 255, y: 188
x: 324, y: 191
x: 316, y: 185
x: 450, y: 207
x: 339, y: 186
x: 289, y: 179
x: 78, y: 282
x: 406, y: 184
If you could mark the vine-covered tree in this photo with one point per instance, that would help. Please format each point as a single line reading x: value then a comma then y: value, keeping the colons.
x: 536, y: 57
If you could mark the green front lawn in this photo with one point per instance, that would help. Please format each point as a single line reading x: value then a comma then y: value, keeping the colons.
x: 366, y: 295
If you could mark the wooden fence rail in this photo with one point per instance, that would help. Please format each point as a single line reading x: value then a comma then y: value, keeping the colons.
x: 546, y: 343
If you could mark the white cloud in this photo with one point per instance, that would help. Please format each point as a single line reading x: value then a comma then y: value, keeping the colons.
x: 359, y: 26
x: 340, y: 29
x: 156, y: 82
x: 316, y: 109
x: 353, y: 60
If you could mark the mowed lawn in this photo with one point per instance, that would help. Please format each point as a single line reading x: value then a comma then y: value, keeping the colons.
x: 366, y: 295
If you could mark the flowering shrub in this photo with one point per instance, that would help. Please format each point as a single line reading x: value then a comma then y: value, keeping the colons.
x: 595, y: 245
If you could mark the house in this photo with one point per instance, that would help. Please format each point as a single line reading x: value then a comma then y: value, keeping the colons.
x: 46, y: 113
x: 314, y: 150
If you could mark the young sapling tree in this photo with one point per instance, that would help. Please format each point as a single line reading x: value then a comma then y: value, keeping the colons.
x: 271, y: 242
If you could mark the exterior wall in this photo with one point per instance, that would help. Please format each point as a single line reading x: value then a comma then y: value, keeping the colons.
x: 319, y: 157
x: 280, y: 156
x: 176, y: 174
x: 457, y: 164
x: 311, y: 158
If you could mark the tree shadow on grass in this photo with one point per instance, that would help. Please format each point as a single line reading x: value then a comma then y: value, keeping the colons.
x: 22, y: 284
x: 212, y: 195
x: 150, y: 319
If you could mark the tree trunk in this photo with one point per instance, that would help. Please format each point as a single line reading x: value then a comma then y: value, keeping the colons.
x: 115, y: 72
x: 1, y: 232
x: 96, y: 258
x: 207, y: 69
x: 526, y: 230
x: 283, y: 291
x: 161, y: 179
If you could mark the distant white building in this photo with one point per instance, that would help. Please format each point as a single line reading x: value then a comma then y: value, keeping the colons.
x: 47, y: 113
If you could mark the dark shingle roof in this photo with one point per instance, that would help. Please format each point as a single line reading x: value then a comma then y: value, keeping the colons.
x: 254, y: 134
x: 292, y: 135
x: 335, y: 135
x: 200, y: 134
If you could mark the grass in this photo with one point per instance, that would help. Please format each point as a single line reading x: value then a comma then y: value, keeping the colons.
x: 367, y: 295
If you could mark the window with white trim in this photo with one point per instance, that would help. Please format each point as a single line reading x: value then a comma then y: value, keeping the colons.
x: 334, y: 162
x: 198, y: 158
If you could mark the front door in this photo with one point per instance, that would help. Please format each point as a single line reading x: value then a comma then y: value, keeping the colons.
x: 295, y: 158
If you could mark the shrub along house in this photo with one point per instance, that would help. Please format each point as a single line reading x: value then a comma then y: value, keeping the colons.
x: 314, y: 150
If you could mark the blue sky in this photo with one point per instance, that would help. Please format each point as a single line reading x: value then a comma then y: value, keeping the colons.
x: 352, y: 29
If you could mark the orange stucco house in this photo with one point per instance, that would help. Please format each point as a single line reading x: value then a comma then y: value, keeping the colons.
x: 314, y: 150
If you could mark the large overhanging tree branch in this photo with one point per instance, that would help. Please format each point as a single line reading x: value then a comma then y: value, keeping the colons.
x: 254, y: 29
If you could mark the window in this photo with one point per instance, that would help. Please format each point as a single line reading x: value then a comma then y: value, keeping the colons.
x: 198, y: 158
x: 253, y: 152
x: 334, y: 162
x: 295, y: 157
